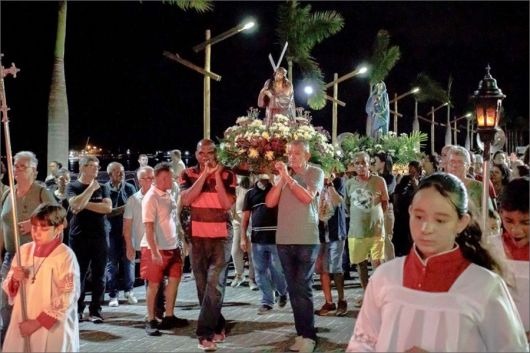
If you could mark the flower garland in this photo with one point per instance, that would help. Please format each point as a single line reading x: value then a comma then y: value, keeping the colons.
x: 253, y: 146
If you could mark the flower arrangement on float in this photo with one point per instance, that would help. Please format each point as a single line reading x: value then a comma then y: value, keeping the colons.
x: 403, y: 148
x: 251, y: 145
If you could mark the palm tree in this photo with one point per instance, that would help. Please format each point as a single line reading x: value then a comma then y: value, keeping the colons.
x: 58, y: 101
x: 58, y: 120
x: 303, y: 30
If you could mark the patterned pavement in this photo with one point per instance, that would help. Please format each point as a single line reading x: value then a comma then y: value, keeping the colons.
x: 123, y: 329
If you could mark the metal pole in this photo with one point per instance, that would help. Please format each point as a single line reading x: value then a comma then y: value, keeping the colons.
x: 485, y: 184
x: 334, y: 110
x: 455, y: 135
x: 432, y: 130
x: 206, y: 117
x: 467, y: 144
x: 395, y: 113
x: 12, y: 193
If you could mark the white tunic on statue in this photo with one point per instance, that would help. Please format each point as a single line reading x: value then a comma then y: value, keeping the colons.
x: 477, y: 314
x: 55, y: 292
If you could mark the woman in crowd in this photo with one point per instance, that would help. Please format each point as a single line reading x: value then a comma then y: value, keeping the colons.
x: 428, y: 300
x: 500, y: 176
x: 429, y: 165
x: 383, y: 167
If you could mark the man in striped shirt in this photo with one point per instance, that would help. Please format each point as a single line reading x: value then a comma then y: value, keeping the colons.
x: 209, y: 189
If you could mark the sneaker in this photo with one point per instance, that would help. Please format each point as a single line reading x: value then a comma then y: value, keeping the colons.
x: 252, y: 285
x: 169, y: 322
x: 264, y: 309
x: 236, y: 282
x: 358, y: 301
x: 297, y: 342
x: 326, y: 309
x: 151, y: 328
x: 113, y: 302
x: 131, y: 298
x: 219, y: 337
x: 95, y: 318
x: 342, y: 308
x: 282, y: 301
x: 307, y: 345
x: 207, y: 345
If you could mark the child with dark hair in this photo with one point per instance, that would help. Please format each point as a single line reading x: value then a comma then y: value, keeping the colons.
x: 515, y: 219
x: 49, y: 274
x: 445, y: 295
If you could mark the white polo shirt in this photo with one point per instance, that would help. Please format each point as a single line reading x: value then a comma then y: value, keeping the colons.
x: 160, y: 208
x: 133, y: 211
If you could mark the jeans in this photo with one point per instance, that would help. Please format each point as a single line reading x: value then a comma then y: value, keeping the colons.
x: 209, y: 262
x: 5, y: 308
x: 91, y: 252
x: 118, y: 258
x: 269, y: 272
x: 298, y: 262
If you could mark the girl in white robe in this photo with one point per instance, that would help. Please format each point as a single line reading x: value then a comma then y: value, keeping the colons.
x: 445, y: 296
x: 50, y: 274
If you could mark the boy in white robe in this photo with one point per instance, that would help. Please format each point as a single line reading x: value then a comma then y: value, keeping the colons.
x: 49, y: 274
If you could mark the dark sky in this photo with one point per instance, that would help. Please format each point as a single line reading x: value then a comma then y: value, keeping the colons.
x: 124, y: 94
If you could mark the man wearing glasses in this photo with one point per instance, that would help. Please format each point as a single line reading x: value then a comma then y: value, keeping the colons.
x: 89, y: 203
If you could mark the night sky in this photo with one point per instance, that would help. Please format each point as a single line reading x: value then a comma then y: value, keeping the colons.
x: 123, y: 93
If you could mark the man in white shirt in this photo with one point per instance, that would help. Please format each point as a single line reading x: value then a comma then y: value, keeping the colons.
x: 163, y: 252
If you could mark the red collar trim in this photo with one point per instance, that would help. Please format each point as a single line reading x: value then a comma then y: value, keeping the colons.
x: 436, y: 273
x: 46, y: 249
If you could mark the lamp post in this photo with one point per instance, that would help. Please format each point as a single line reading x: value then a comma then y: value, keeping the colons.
x: 206, y: 46
x: 488, y: 103
x: 395, y: 100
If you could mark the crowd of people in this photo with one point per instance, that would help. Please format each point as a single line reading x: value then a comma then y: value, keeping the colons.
x: 438, y: 281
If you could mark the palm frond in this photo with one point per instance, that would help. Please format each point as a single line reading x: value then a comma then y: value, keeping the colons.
x: 303, y: 30
x: 197, y: 5
x: 315, y: 78
x: 430, y: 90
x: 383, y: 58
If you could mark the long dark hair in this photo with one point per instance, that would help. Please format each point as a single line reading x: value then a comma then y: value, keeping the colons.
x: 387, y: 159
x: 515, y: 196
x: 505, y: 171
x: 469, y: 239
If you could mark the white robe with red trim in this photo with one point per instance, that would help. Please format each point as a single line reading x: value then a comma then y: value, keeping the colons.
x: 477, y: 314
x: 55, y: 292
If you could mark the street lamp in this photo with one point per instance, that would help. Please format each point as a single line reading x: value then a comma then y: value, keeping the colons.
x: 206, y: 46
x: 488, y: 103
x: 395, y: 112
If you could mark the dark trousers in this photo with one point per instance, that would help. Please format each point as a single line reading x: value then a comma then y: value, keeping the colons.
x: 91, y: 252
x: 209, y: 261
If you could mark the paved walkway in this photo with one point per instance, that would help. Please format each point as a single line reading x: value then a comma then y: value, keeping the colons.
x: 123, y: 329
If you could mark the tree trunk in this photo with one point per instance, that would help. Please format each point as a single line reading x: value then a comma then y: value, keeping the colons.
x: 58, y: 101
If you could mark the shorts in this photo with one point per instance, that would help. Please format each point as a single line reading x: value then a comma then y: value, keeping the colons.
x: 329, y: 258
x: 361, y: 248
x: 171, y: 265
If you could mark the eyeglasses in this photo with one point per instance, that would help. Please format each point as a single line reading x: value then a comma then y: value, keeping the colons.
x: 147, y: 178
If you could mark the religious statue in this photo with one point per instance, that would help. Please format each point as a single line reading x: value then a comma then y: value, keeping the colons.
x: 378, y: 110
x: 277, y: 96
